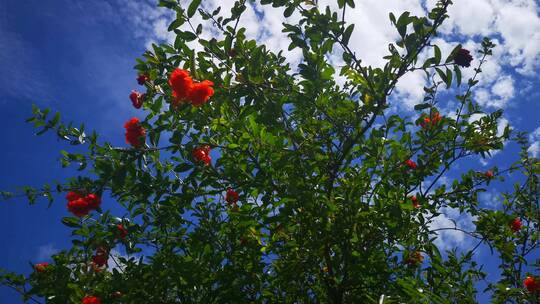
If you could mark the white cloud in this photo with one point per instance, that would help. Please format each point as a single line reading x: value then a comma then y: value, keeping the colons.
x: 452, y: 218
x: 504, y: 88
x: 410, y: 89
x: 470, y: 18
x: 534, y: 139
x: 519, y: 25
x: 534, y: 149
x: 490, y: 199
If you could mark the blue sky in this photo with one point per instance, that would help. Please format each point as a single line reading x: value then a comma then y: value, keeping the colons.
x: 77, y: 57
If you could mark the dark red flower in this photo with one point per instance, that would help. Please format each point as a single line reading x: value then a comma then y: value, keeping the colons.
x: 78, y: 207
x: 415, y: 202
x: 411, y: 164
x: 122, y: 231
x: 81, y: 205
x: 116, y: 294
x: 101, y: 257
x: 71, y: 196
x: 137, y: 99
x: 142, y: 79
x: 101, y: 250
x: 463, y: 58
x: 435, y: 118
x: 515, y: 224
x: 181, y: 83
x: 201, y: 92
x: 425, y: 122
x: 93, y: 201
x: 41, y: 267
x: 233, y: 53
x: 531, y: 284
x: 135, y: 133
x: 99, y: 261
x: 415, y: 258
x: 243, y: 241
x: 91, y: 300
x: 231, y: 196
x: 202, y: 154
x: 489, y: 174
x: 198, y: 154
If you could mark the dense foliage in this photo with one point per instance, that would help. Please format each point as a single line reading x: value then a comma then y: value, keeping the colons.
x: 248, y: 180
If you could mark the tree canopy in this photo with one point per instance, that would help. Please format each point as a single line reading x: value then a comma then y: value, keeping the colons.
x: 246, y: 179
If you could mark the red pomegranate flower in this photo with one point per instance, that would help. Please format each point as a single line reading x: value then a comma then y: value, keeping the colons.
x: 415, y: 202
x: 135, y: 133
x: 122, y: 231
x: 99, y: 261
x: 415, y: 258
x: 201, y: 92
x: 425, y: 122
x: 181, y: 84
x: 91, y: 300
x: 515, y: 224
x: 429, y: 121
x: 137, y: 99
x: 116, y: 294
x: 202, y: 154
x: 231, y: 196
x: 81, y: 205
x: 78, y: 207
x: 71, y: 196
x: 463, y: 58
x: 101, y: 257
x: 93, y: 201
x: 142, y: 79
x: 531, y: 284
x: 411, y: 164
x: 436, y: 118
x: 41, y: 267
x: 489, y: 174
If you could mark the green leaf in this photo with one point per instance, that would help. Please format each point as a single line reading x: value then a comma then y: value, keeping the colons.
x: 347, y: 34
x: 457, y: 71
x: 392, y: 18
x: 448, y: 78
x: 185, y: 35
x: 437, y: 51
x: 422, y: 106
x: 289, y: 11
x: 193, y: 7
x: 442, y: 75
x: 167, y: 3
x: 183, y: 167
x: 176, y: 24
x: 402, y: 23
x: 72, y: 222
